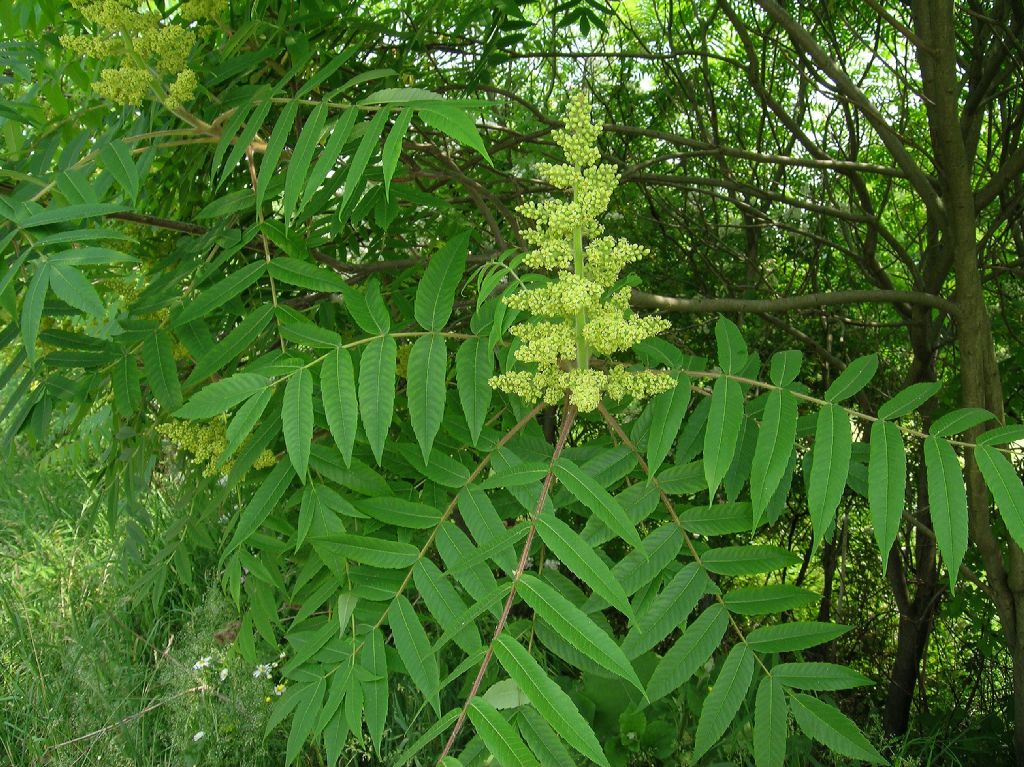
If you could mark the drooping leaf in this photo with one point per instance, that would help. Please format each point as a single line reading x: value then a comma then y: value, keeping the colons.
x: 830, y: 466
x: 499, y: 736
x: 732, y: 349
x: 117, y: 160
x: 435, y: 294
x: 161, y: 370
x: 261, y: 504
x: 275, y: 145
x: 959, y: 421
x: 400, y: 512
x: 594, y: 497
x: 361, y: 157
x: 368, y: 550
x: 1004, y: 482
x: 73, y: 288
x: 908, y: 400
x: 690, y: 651
x: 887, y: 481
x: 668, y: 610
x: 375, y: 691
x: 474, y: 365
x: 303, y: 274
x: 748, y: 560
x: 218, y: 294
x: 667, y: 411
x: 414, y: 650
x: 301, y: 159
x: 575, y: 554
x: 772, y: 598
x: 774, y: 444
x: 338, y: 392
x: 377, y: 391
x: 297, y: 419
x: 32, y: 309
x: 725, y: 419
x: 548, y: 698
x: 307, y: 712
x: 827, y: 725
x: 232, y: 345
x: 794, y: 636
x: 453, y: 121
x: 428, y: 366
x: 724, y: 700
x: 771, y: 724
x: 818, y: 676
x: 947, y: 497
x: 574, y: 626
x: 220, y: 396
x: 339, y: 136
x: 856, y: 376
x: 393, y: 147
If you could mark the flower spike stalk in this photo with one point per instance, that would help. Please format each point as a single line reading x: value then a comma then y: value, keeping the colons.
x: 580, y: 313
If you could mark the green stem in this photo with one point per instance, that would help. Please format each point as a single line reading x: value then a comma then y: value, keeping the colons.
x: 582, y: 350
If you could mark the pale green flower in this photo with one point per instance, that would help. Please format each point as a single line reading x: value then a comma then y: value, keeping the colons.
x: 580, y: 316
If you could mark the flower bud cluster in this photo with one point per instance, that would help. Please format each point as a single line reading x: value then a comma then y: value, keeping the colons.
x: 207, y: 442
x: 581, y: 311
x: 147, y: 48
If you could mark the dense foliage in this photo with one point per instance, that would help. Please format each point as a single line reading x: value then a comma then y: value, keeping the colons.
x: 348, y: 330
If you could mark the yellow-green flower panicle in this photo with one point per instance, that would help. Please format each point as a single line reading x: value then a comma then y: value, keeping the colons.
x: 206, y: 443
x: 581, y: 313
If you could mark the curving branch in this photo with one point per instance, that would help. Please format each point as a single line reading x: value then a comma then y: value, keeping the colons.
x: 642, y: 300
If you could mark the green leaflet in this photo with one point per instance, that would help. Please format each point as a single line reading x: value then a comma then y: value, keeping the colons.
x: 548, y: 698
x: 1004, y: 482
x: 275, y: 145
x: 428, y: 366
x: 261, y: 504
x: 732, y: 349
x: 959, y: 421
x: 375, y: 691
x: 414, y: 650
x: 818, y: 676
x: 377, y: 391
x: 117, y: 160
x: 243, y: 141
x: 161, y: 370
x: 575, y: 554
x: 725, y: 419
x: 73, y: 288
x: 126, y: 383
x: 1001, y: 435
x: 594, y: 497
x: 856, y: 376
x: 340, y: 133
x: 499, y: 737
x: 947, y: 497
x: 232, y: 345
x: 887, y: 485
x: 393, y: 147
x: 690, y: 652
x: 908, y: 400
x: 453, y: 121
x: 307, y: 712
x: 361, y: 157
x: 575, y: 627
x: 785, y: 366
x: 218, y: 294
x: 245, y: 419
x: 773, y: 598
x: 830, y: 466
x: 641, y: 566
x: 32, y: 309
x: 301, y: 159
x: 338, y: 392
x: 748, y: 560
x: 542, y: 740
x: 486, y: 526
x: 441, y: 726
x: 220, y: 396
x: 378, y: 552
x: 474, y: 365
x: 827, y: 725
x: 668, y: 610
x: 794, y: 636
x: 667, y: 411
x: 445, y: 605
x: 59, y: 214
x: 400, y: 512
x: 717, y: 519
x: 435, y: 294
x: 724, y: 700
x: 297, y: 419
x: 774, y: 445
x: 771, y: 724
x: 305, y: 275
